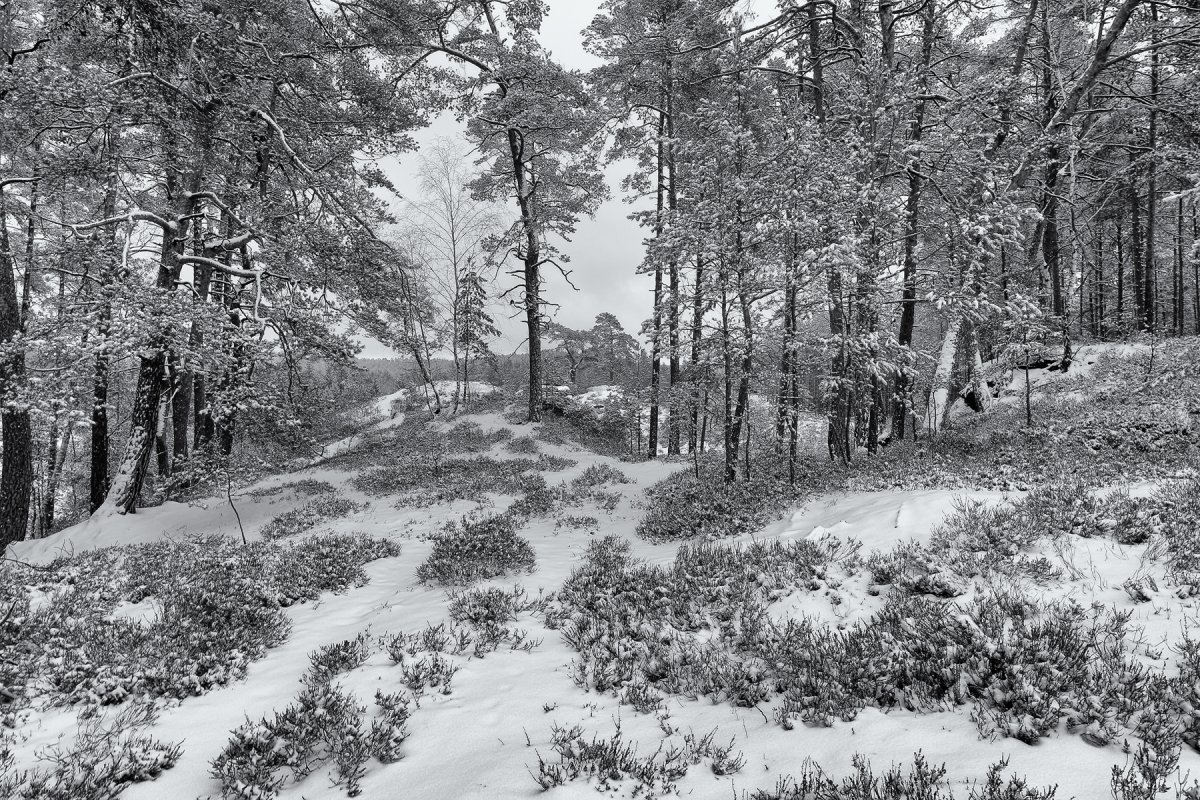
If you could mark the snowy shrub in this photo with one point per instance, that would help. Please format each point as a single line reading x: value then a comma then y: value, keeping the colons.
x: 388, y: 729
x: 309, y: 516
x: 469, y: 436
x: 589, y: 487
x: 470, y: 551
x: 550, y: 463
x: 324, y: 724
x: 981, y: 539
x: 525, y: 445
x: 438, y: 638
x: 429, y: 672
x: 1023, y: 666
x: 343, y: 656
x: 578, y: 523
x: 425, y: 480
x: 306, y: 486
x: 537, y: 498
x: 212, y: 607
x: 633, y: 623
x: 415, y: 440
x: 321, y: 564
x: 642, y: 696
x: 492, y: 607
x: 684, y: 506
x: 1176, y: 508
x: 612, y: 760
x: 922, y: 782
x: 598, y: 475
x: 606, y: 430
x: 106, y: 756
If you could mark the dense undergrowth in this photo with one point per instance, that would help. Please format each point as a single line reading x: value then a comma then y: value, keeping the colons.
x: 962, y: 622
x: 123, y: 627
x: 483, y: 547
x: 170, y: 619
x: 1120, y: 419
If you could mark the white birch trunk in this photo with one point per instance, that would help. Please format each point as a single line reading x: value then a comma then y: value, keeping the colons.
x: 937, y: 412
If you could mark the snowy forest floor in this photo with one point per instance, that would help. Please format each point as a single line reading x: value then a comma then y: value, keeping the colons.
x: 466, y: 609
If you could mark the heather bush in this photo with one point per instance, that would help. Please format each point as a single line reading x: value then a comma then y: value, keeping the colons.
x: 212, y: 607
x: 922, y: 781
x: 107, y: 755
x: 611, y: 760
x: 524, y: 445
x: 700, y: 627
x: 685, y: 506
x: 309, y: 516
x: 474, y: 550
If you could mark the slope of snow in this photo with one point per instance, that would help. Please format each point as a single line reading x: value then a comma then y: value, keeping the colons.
x: 482, y: 740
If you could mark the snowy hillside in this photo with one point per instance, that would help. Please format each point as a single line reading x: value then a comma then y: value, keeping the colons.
x: 509, y: 635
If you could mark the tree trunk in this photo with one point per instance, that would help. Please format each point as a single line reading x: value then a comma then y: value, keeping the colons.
x: 202, y: 434
x: 694, y: 444
x: 656, y: 330
x: 1051, y: 255
x: 675, y: 418
x: 841, y: 397
x: 938, y: 411
x: 122, y: 497
x: 98, y: 481
x: 16, y: 432
x: 1135, y: 235
x: 912, y: 221
x: 1150, y: 278
x: 1120, y: 243
x: 56, y: 457
x: 727, y: 369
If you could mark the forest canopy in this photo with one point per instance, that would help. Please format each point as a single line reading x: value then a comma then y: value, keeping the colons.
x: 849, y: 207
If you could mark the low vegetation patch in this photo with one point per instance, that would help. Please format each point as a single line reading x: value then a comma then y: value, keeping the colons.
x: 327, y: 728
x: 687, y: 506
x: 475, y: 550
x: 304, y: 486
x: 309, y: 516
x: 415, y: 439
x: 525, y: 445
x: 107, y: 755
x: 922, y: 781
x: 1023, y: 665
x: 324, y: 725
x: 612, y: 760
x: 170, y: 619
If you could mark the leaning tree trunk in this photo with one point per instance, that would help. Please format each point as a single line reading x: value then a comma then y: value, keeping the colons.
x: 130, y: 476
x: 131, y: 473
x: 937, y: 413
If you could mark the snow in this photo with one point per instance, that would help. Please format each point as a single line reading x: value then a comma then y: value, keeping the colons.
x: 481, y: 740
x: 1083, y: 362
x: 598, y: 395
x: 878, y: 520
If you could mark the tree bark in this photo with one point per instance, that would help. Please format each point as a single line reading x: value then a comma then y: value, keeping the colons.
x: 656, y: 331
x: 16, y: 431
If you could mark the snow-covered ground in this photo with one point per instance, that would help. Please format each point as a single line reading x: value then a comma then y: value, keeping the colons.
x: 482, y: 739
